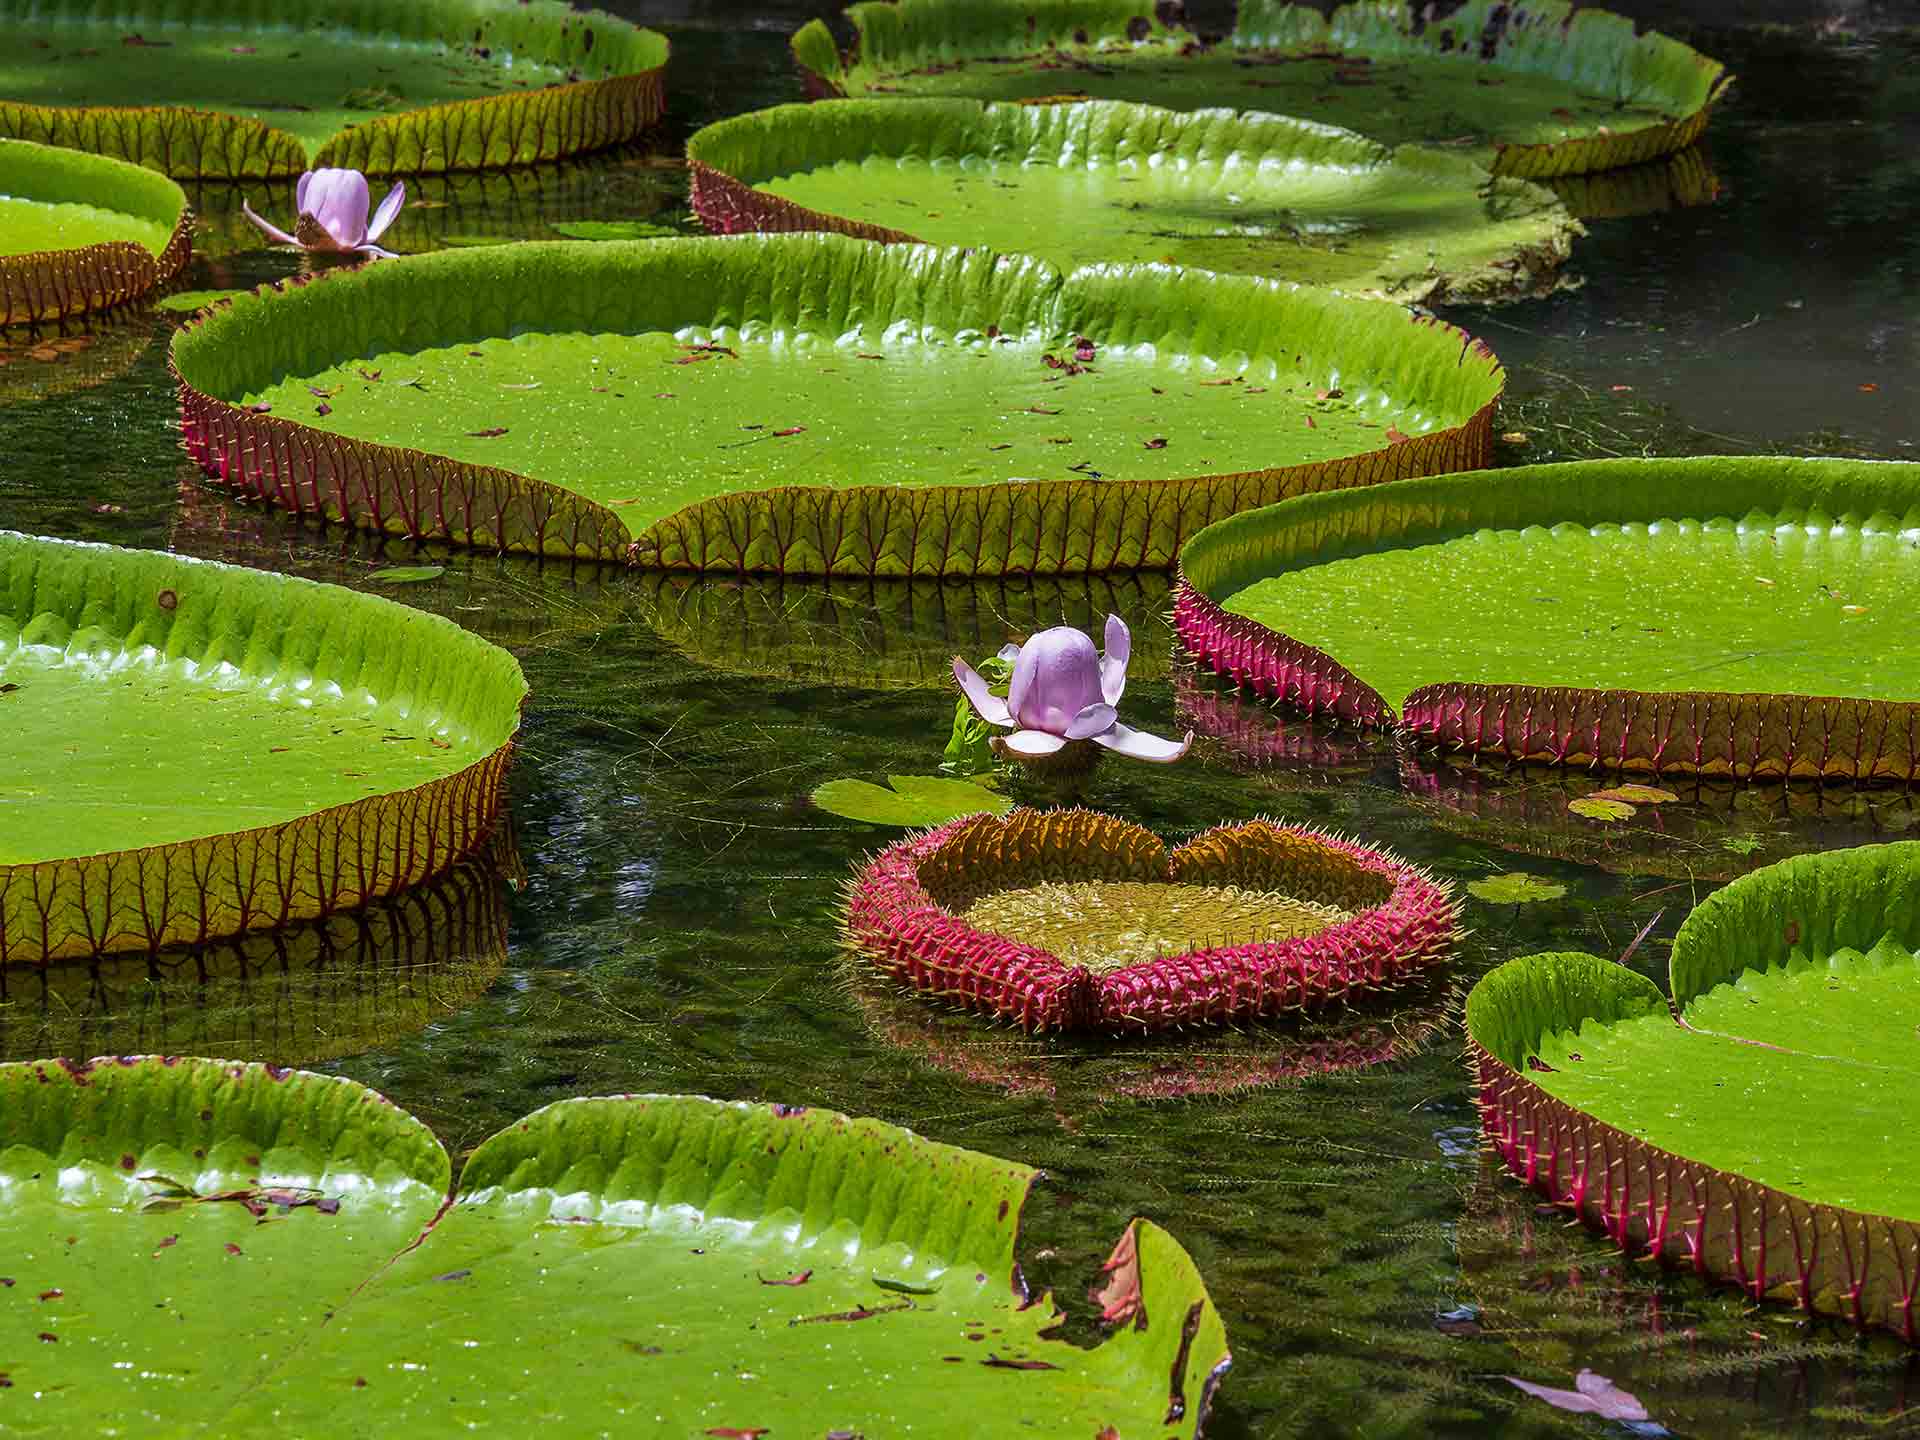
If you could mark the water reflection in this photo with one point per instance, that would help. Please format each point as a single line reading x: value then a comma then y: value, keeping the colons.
x: 309, y: 992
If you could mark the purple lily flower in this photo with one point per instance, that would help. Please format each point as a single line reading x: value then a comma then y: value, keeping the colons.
x: 332, y: 206
x: 1063, y: 691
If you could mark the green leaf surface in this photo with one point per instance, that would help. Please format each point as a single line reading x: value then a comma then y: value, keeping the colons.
x: 405, y: 574
x: 833, y: 365
x: 1103, y: 181
x: 228, y: 88
x: 1591, y: 807
x: 1799, y: 994
x: 1603, y: 584
x: 719, y: 1263
x: 1514, y: 888
x: 614, y: 229
x: 1506, y: 82
x: 159, y: 703
x: 185, y: 302
x: 908, y: 800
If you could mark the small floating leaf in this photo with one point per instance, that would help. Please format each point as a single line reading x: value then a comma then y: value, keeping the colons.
x: 1635, y: 794
x: 1515, y: 888
x: 913, y: 800
x: 1596, y: 809
x: 406, y: 574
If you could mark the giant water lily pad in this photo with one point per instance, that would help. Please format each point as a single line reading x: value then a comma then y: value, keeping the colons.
x: 347, y: 983
x: 1745, y: 1132
x: 200, y: 750
x: 745, y: 1269
x: 1536, y: 89
x: 217, y: 91
x: 80, y: 233
x: 814, y: 404
x: 1073, y: 920
x: 1104, y: 181
x: 1732, y: 617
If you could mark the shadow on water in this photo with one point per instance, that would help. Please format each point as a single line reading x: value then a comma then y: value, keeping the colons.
x: 677, y: 930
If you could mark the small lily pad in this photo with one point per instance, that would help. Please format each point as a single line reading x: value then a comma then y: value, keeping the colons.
x: 1634, y: 795
x: 185, y: 302
x: 1515, y: 888
x: 406, y: 574
x: 913, y: 800
x: 1594, y: 808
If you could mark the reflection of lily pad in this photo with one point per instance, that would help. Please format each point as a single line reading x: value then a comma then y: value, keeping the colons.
x: 813, y: 404
x: 431, y: 85
x: 890, y: 634
x: 348, y: 983
x: 201, y: 750
x: 81, y: 233
x: 1072, y: 920
x: 169, y: 1166
x: 1746, y: 1136
x: 908, y: 800
x: 1739, y: 617
x: 1535, y: 89
x: 36, y: 366
x: 1102, y: 181
x: 1514, y: 888
x: 1674, y: 182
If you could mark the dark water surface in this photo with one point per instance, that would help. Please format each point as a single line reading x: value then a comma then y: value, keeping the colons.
x: 676, y: 927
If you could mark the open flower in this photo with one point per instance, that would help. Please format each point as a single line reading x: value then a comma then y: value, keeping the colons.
x: 332, y: 206
x: 1063, y: 690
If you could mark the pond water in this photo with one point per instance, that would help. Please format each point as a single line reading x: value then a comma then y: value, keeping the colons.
x: 675, y: 928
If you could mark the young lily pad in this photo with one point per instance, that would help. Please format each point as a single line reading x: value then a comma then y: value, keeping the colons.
x: 341, y: 985
x: 1537, y: 89
x: 428, y: 86
x: 890, y: 635
x: 1514, y: 888
x: 81, y: 233
x: 1107, y: 181
x: 615, y: 229
x: 845, y: 1259
x: 1732, y: 617
x: 201, y: 750
x: 1073, y: 920
x: 1745, y: 1135
x: 909, y: 800
x: 815, y: 404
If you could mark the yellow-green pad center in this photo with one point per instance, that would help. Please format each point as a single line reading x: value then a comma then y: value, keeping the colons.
x: 1107, y: 925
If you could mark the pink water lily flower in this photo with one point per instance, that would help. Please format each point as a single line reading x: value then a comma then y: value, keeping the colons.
x: 1063, y: 690
x: 332, y: 206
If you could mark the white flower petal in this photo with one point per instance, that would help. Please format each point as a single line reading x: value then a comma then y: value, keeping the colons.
x: 273, y: 232
x: 1113, y: 665
x: 1139, y: 745
x: 1092, y: 721
x: 389, y: 208
x: 1033, y: 743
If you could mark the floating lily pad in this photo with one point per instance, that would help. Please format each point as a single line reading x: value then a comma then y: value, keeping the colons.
x: 1734, y: 617
x: 185, y: 302
x: 1071, y: 920
x: 1746, y: 1136
x: 1592, y: 807
x: 1105, y: 181
x: 342, y: 985
x: 1514, y: 888
x: 814, y: 404
x: 427, y: 86
x: 894, y: 634
x: 1536, y: 89
x: 201, y: 750
x: 615, y: 229
x: 81, y: 233
x: 908, y: 800
x: 847, y: 1258
x: 406, y: 574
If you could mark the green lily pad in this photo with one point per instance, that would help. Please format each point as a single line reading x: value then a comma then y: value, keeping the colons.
x: 815, y: 404
x: 185, y: 302
x: 908, y: 800
x: 1747, y: 1137
x: 1514, y: 888
x: 614, y: 229
x: 341, y: 985
x: 1737, y: 617
x: 428, y: 86
x: 895, y: 634
x: 203, y: 750
x: 1539, y: 89
x: 1591, y: 807
x: 835, y: 1261
x: 406, y: 574
x: 1105, y: 181
x: 80, y: 233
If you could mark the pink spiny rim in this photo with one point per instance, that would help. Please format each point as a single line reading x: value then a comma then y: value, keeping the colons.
x: 1825, y: 1259
x: 902, y: 916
